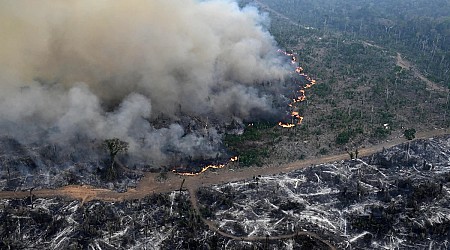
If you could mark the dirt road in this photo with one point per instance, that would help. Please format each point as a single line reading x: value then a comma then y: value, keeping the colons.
x: 265, y: 7
x: 213, y: 227
x: 149, y: 184
x: 402, y: 62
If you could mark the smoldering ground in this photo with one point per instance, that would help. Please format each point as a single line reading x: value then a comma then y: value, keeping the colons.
x: 78, y: 71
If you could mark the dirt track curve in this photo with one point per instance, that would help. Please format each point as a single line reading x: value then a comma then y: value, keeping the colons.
x: 402, y: 62
x: 212, y: 226
x: 149, y: 185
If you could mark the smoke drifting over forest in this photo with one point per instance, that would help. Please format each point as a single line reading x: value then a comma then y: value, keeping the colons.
x: 84, y: 70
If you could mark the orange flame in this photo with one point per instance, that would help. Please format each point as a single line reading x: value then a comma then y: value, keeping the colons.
x: 287, y: 125
x: 205, y: 168
x: 300, y: 98
x: 202, y: 171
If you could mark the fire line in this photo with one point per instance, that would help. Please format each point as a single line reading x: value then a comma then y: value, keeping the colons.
x: 296, y: 119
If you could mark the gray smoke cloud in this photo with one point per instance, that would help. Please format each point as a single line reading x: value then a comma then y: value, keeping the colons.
x: 102, y: 69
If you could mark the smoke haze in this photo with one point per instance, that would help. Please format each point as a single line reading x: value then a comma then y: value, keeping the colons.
x: 102, y: 69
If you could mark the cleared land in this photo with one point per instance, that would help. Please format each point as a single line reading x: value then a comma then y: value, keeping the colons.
x: 149, y: 184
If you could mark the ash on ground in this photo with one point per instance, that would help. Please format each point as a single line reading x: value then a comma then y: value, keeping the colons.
x: 395, y: 199
x: 156, y: 222
x: 162, y: 221
x: 50, y: 166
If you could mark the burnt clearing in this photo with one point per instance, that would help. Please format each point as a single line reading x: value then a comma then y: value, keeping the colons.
x: 397, y: 198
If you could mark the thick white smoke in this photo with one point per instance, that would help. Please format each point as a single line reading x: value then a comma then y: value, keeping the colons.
x: 102, y: 69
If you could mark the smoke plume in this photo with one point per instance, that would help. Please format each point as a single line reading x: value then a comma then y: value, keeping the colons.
x: 82, y: 70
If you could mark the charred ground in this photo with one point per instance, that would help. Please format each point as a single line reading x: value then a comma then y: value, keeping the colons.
x: 368, y: 92
x: 396, y: 199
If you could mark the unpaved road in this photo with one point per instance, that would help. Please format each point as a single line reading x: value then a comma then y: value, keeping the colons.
x: 213, y: 227
x: 402, y: 62
x: 280, y: 15
x: 149, y: 184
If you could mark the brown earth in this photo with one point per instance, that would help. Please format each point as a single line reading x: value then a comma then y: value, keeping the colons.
x: 405, y: 64
x: 149, y: 184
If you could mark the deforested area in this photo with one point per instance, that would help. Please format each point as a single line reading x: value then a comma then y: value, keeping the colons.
x: 394, y: 199
x: 224, y: 124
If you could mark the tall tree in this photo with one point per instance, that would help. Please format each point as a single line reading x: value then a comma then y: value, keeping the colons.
x: 114, y: 146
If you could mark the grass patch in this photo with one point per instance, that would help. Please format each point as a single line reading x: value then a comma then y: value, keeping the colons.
x: 254, y: 144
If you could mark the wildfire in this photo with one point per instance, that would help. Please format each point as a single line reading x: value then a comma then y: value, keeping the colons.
x: 300, y: 98
x: 201, y: 171
x: 296, y: 119
x: 205, y: 168
x: 288, y: 125
x: 299, y: 71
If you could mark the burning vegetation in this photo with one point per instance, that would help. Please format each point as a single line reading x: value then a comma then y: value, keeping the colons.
x: 295, y: 118
x: 97, y: 72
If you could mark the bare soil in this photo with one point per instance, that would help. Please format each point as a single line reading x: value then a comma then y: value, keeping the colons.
x: 149, y: 184
x: 405, y: 64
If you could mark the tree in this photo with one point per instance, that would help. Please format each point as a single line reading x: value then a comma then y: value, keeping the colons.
x: 343, y: 137
x: 409, y: 133
x: 350, y: 154
x: 114, y: 147
x: 7, y: 165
